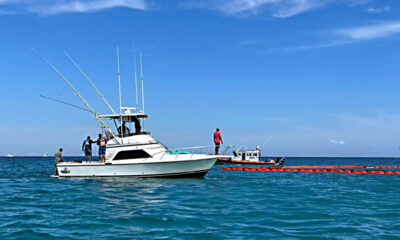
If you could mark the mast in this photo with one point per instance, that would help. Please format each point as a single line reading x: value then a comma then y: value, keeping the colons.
x: 91, y: 83
x: 134, y: 64
x: 141, y: 76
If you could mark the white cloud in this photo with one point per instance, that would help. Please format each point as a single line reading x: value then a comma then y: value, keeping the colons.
x: 57, y: 7
x: 237, y: 6
x: 295, y: 7
x: 353, y: 35
x: 278, y: 8
x: 50, y: 7
x: 339, y: 142
x: 378, y: 10
x: 9, y: 1
x: 371, y: 32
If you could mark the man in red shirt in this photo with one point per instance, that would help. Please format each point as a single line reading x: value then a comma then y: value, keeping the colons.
x: 217, y: 140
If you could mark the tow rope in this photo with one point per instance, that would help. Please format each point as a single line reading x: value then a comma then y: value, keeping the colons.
x: 320, y: 169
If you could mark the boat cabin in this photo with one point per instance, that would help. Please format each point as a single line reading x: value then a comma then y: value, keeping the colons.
x: 247, y: 155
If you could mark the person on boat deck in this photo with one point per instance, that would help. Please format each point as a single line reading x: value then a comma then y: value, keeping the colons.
x: 58, y: 157
x: 138, y: 128
x: 124, y: 128
x: 217, y: 141
x: 87, y: 148
x: 102, y: 148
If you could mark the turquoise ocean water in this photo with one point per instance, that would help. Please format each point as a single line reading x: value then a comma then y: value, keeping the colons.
x: 224, y: 205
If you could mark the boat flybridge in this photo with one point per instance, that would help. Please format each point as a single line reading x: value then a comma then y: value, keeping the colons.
x: 136, y: 153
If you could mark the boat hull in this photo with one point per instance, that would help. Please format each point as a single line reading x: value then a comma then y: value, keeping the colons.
x: 166, y: 169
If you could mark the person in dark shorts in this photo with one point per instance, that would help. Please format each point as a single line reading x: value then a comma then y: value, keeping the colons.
x: 87, y: 148
x: 58, y: 157
x: 102, y: 148
x: 217, y: 141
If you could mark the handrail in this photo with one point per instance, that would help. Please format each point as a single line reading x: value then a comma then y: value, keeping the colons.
x: 188, y: 148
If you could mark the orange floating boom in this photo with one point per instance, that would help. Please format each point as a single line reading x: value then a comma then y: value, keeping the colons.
x: 321, y: 169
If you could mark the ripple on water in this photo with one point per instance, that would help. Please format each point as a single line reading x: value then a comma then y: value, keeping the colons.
x: 225, y: 205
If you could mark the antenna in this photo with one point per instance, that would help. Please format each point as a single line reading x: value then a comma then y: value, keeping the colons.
x: 119, y: 82
x: 134, y: 63
x: 101, y: 121
x: 141, y: 76
x: 91, y: 83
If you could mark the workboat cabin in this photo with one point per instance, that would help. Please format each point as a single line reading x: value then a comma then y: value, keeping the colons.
x: 247, y: 155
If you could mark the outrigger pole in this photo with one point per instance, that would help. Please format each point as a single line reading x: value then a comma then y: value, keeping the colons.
x: 101, y: 121
x: 91, y: 83
x: 134, y: 63
x: 120, y: 98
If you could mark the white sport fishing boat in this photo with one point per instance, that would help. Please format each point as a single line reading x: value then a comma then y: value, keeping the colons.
x: 135, y: 154
x: 139, y: 155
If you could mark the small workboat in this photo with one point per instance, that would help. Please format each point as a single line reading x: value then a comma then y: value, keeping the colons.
x: 252, y: 157
x: 10, y: 155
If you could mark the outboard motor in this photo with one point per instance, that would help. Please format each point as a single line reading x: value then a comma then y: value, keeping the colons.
x: 280, y: 160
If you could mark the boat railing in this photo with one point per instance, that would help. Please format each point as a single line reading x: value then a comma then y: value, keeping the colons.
x: 184, y: 150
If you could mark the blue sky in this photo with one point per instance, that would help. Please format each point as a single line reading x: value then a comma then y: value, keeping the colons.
x: 307, y: 77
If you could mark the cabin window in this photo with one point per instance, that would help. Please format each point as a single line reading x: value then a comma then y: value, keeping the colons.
x: 255, y: 154
x: 133, y: 154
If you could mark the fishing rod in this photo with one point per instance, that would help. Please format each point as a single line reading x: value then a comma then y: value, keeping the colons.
x: 69, y: 104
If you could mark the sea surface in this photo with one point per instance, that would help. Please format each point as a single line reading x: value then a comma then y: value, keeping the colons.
x: 224, y: 205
